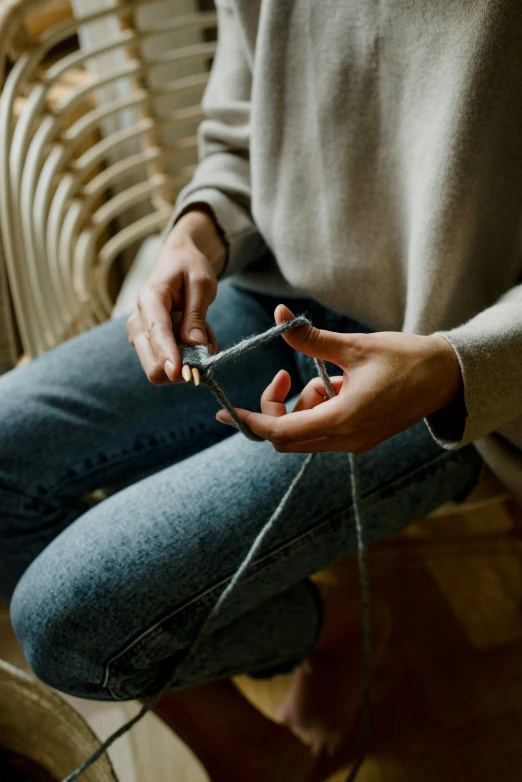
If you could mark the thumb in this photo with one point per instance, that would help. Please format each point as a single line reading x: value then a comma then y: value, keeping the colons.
x: 318, y: 343
x: 198, y: 296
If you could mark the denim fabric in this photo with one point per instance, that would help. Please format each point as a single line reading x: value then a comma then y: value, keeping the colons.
x: 106, y: 599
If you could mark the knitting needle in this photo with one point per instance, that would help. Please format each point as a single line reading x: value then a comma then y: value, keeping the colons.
x: 191, y: 374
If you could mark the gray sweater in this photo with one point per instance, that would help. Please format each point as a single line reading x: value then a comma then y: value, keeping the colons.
x: 369, y: 154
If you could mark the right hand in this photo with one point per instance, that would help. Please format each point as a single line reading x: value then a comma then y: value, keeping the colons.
x: 176, y: 296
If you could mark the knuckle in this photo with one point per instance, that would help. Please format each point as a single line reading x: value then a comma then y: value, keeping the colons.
x: 154, y: 330
x: 312, y: 335
x: 149, y: 290
x: 152, y: 327
x: 276, y: 436
x: 142, y: 297
x: 201, y: 280
x: 194, y: 318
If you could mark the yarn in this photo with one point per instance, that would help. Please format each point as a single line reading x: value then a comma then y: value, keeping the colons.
x: 198, y: 356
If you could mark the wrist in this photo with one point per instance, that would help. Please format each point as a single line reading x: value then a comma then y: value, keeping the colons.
x: 447, y: 371
x: 198, y: 229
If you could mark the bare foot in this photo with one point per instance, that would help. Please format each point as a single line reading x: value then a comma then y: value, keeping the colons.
x: 232, y: 739
x: 323, y: 704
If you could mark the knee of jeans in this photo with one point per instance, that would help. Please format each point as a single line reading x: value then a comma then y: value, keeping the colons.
x: 61, y: 651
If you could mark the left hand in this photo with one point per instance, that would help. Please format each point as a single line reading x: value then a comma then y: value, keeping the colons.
x: 390, y: 381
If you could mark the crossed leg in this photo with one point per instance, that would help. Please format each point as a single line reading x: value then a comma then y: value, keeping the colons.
x: 106, y: 600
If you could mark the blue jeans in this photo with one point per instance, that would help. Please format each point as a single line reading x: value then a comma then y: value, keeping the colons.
x: 105, y: 599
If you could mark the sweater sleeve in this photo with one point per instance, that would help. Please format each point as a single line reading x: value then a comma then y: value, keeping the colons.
x: 222, y: 177
x: 489, y: 350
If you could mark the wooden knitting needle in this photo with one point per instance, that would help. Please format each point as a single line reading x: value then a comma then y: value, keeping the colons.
x: 191, y: 374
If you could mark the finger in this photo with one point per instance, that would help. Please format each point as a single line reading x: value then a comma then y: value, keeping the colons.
x: 155, y: 305
x: 175, y: 319
x: 223, y: 417
x: 328, y: 345
x: 325, y: 444
x: 149, y: 361
x: 319, y: 445
x: 213, y: 346
x: 314, y: 393
x: 274, y: 395
x: 321, y: 421
x: 199, y: 293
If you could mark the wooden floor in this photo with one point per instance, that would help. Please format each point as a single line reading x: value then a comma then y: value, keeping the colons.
x: 454, y: 587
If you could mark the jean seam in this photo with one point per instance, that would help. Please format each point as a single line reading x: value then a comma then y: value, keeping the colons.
x: 295, y: 658
x: 153, y: 632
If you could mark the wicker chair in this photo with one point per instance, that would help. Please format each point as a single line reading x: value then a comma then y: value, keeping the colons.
x: 86, y: 174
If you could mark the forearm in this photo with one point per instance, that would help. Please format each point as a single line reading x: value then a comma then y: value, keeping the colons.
x: 222, y: 178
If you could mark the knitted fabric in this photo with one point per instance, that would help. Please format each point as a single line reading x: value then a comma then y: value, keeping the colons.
x: 198, y: 356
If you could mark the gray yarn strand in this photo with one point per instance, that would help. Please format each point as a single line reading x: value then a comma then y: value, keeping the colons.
x: 198, y: 356
x: 232, y: 584
x: 365, y: 593
x: 366, y: 619
x: 323, y: 374
x: 257, y: 339
x: 222, y: 399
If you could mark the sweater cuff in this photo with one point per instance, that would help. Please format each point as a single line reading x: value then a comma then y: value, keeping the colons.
x: 479, y: 409
x: 240, y: 234
x: 449, y: 426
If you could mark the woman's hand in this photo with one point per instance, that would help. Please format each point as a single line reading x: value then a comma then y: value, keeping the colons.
x: 390, y: 381
x: 176, y: 296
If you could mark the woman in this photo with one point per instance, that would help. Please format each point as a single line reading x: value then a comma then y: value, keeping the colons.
x: 359, y: 162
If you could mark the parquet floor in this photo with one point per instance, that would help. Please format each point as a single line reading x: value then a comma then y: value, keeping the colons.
x: 454, y: 587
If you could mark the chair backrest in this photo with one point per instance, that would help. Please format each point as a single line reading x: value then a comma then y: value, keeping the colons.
x: 93, y: 148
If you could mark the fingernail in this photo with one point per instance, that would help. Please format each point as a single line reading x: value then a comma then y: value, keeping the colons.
x: 197, y: 335
x: 168, y: 366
